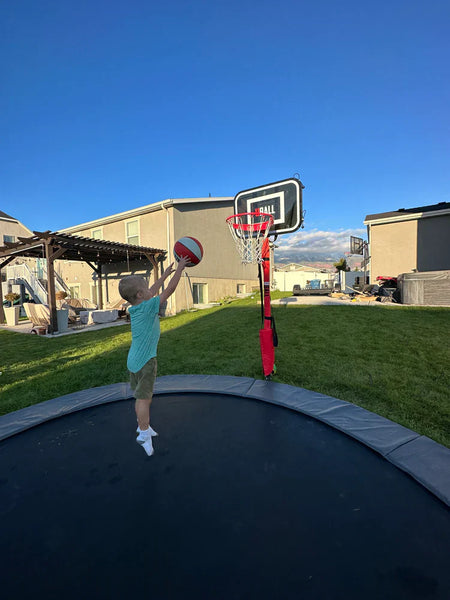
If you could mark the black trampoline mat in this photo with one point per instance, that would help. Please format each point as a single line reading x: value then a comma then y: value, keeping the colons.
x: 242, y: 499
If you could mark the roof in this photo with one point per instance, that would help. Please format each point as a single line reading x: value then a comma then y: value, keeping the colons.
x: 416, y: 212
x: 3, y: 215
x: 79, y: 248
x: 148, y: 208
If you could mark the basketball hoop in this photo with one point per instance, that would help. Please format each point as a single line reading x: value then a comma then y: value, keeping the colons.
x: 249, y: 230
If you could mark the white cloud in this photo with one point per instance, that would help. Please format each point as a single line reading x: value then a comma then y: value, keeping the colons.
x: 332, y: 244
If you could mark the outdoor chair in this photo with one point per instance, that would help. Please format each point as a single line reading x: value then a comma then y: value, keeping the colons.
x: 39, y: 314
x: 121, y: 305
x: 78, y: 304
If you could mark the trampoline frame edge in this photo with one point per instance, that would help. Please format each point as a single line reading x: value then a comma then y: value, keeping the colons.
x: 420, y: 457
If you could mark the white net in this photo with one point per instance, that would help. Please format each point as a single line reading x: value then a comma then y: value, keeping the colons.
x: 249, y: 230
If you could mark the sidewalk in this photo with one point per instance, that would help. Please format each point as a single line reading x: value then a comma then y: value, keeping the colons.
x: 26, y: 327
x: 326, y: 300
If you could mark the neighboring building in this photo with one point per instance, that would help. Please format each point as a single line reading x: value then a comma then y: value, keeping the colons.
x: 408, y: 240
x: 299, y: 267
x: 10, y: 230
x: 286, y: 277
x: 159, y: 225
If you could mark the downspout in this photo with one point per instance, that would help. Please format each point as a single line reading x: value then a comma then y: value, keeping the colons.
x: 170, y: 299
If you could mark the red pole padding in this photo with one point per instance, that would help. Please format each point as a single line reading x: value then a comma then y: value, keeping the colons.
x: 267, y: 351
x: 266, y: 334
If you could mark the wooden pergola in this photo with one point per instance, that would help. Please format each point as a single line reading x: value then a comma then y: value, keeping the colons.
x: 64, y: 246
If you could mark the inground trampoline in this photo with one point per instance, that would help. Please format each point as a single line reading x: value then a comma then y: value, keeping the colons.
x: 256, y: 490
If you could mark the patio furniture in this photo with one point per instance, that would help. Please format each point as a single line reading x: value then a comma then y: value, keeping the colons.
x: 79, y: 304
x: 39, y: 315
x: 119, y: 303
x: 102, y: 316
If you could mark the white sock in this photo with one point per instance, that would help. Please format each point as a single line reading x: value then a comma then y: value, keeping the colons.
x: 148, y: 447
x: 153, y: 433
x: 144, y: 439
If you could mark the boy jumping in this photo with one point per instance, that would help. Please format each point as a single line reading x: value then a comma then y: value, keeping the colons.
x: 145, y: 332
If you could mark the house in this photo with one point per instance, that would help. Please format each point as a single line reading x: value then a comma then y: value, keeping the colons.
x: 409, y: 240
x: 159, y: 225
x: 285, y: 277
x: 10, y: 230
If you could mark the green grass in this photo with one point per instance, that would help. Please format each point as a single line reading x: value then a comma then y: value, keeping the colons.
x: 390, y: 360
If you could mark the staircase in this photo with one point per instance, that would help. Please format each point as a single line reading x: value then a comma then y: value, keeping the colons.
x: 35, y: 287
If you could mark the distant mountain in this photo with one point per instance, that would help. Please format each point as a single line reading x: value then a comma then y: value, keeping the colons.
x: 293, y: 255
x: 317, y: 260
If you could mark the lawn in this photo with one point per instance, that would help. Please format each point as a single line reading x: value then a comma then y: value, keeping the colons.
x: 391, y: 360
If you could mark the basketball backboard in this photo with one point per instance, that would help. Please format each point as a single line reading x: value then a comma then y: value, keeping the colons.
x: 281, y: 199
x: 356, y: 245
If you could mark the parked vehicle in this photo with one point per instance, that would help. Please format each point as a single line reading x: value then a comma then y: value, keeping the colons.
x: 313, y: 288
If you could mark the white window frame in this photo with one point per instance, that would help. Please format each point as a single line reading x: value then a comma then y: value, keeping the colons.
x: 101, y: 233
x: 93, y: 297
x: 205, y: 292
x: 74, y: 285
x: 135, y: 220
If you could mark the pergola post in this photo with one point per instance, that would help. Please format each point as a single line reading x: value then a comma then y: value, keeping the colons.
x: 51, y: 256
x: 51, y: 297
x: 100, y: 286
x: 98, y: 269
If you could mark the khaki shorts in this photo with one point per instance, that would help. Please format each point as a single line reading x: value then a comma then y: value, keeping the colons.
x: 143, y: 381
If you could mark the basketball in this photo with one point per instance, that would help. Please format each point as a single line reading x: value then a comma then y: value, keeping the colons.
x: 190, y: 247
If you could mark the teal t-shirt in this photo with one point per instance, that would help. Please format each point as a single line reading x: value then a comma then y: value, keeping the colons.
x: 145, y: 332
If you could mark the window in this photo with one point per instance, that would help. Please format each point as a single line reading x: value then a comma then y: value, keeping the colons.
x: 9, y: 238
x: 97, y: 234
x: 199, y: 293
x: 241, y: 288
x: 132, y: 232
x: 74, y: 291
x: 94, y: 296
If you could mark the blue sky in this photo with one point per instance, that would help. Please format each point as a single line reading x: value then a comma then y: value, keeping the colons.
x: 106, y: 106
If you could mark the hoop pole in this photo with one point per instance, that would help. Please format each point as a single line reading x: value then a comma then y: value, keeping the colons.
x: 267, y: 333
x: 266, y: 270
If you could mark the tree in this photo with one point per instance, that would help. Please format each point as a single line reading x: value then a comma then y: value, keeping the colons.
x: 341, y: 265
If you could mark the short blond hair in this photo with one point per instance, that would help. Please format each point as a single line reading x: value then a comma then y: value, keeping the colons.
x: 130, y: 285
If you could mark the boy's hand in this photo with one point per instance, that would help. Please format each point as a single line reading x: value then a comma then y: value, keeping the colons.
x: 183, y: 263
x: 169, y: 271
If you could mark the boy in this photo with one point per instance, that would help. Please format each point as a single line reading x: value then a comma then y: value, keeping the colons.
x: 145, y: 334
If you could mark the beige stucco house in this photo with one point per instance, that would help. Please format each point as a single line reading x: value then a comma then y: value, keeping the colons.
x: 10, y: 231
x: 409, y: 240
x: 159, y: 225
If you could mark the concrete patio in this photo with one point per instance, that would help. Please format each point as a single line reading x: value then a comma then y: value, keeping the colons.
x: 25, y: 326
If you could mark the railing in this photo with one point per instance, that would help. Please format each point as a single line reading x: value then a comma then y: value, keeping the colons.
x: 24, y: 273
x: 60, y: 283
x: 33, y: 282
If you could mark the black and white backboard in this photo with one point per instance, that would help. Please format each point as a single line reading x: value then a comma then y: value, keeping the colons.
x: 356, y: 245
x: 282, y: 199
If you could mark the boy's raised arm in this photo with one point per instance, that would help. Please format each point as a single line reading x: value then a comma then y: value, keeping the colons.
x: 154, y: 289
x: 171, y: 286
